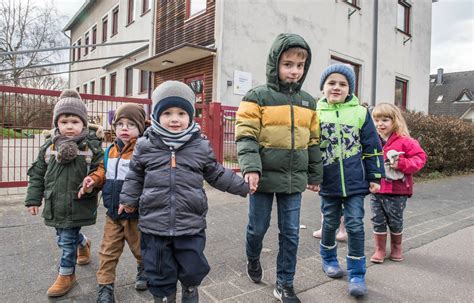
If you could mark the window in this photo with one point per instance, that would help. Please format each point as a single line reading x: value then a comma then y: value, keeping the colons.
x: 464, y: 97
x: 94, y: 36
x: 144, y: 81
x: 102, y: 86
x: 403, y: 17
x: 195, y: 7
x: 401, y: 89
x: 104, y: 29
x: 197, y: 85
x: 130, y: 11
x: 84, y: 88
x: 79, y: 50
x: 92, y: 87
x: 354, y: 66
x: 86, y: 42
x: 128, y: 81
x: 73, y: 53
x: 115, y: 21
x: 113, y: 82
x: 145, y: 6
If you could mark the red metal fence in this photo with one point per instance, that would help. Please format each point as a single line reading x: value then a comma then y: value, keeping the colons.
x: 25, y: 113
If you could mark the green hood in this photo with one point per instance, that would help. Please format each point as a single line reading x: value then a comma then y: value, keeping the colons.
x: 281, y: 44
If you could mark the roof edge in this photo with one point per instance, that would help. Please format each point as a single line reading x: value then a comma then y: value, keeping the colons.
x: 79, y: 13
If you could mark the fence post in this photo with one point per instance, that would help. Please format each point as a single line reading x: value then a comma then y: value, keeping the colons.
x: 216, y: 130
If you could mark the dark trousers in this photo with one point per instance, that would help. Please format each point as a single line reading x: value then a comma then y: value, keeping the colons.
x: 169, y: 259
x: 387, y: 210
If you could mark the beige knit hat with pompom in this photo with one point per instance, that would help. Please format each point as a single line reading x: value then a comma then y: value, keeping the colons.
x: 70, y: 103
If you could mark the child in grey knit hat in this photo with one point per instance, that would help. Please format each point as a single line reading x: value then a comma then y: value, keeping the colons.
x: 165, y: 182
x: 72, y: 150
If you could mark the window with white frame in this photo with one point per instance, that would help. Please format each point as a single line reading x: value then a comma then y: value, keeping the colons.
x: 86, y: 42
x: 128, y: 81
x: 105, y: 22
x: 92, y: 87
x: 115, y: 15
x: 354, y: 66
x: 79, y: 50
x: 145, y: 6
x: 102, y: 85
x: 113, y: 84
x: 144, y: 81
x: 403, y: 16
x: 195, y: 7
x: 94, y: 37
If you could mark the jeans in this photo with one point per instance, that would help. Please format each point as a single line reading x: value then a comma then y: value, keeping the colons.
x: 260, y: 209
x: 68, y: 239
x: 353, y: 210
x: 387, y: 210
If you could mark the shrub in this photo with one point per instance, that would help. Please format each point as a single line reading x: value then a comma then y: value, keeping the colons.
x: 448, y: 141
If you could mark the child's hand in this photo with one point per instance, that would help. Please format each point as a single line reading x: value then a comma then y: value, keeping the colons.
x: 33, y: 210
x: 374, y: 187
x: 87, y: 186
x: 313, y: 187
x: 128, y: 209
x: 252, y: 180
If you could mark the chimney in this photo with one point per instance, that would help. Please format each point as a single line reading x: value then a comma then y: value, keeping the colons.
x: 439, y: 77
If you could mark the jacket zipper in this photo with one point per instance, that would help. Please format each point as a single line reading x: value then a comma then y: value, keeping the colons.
x: 173, y: 192
x: 292, y: 136
x: 115, y: 180
x: 341, y: 164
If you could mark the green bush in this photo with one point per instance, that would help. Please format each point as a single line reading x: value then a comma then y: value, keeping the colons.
x: 448, y: 141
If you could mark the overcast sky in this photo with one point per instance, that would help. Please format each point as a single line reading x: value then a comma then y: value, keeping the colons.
x: 452, y: 36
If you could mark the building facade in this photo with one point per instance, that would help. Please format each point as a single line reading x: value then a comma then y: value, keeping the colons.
x: 220, y: 47
x: 104, y: 70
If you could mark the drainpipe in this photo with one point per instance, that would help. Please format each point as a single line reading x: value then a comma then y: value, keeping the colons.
x: 69, y: 65
x: 374, y: 53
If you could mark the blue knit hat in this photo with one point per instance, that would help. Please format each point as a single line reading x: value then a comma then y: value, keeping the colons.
x: 173, y: 94
x: 342, y: 69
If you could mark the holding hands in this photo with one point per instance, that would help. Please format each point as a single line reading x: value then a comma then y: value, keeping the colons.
x: 128, y: 209
x: 252, y: 179
x: 87, y: 186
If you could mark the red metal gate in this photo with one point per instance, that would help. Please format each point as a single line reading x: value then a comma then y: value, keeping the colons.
x: 25, y: 113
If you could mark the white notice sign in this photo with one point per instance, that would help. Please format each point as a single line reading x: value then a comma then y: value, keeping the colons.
x: 242, y: 82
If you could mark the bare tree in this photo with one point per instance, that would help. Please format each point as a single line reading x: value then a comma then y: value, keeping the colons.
x: 26, y: 25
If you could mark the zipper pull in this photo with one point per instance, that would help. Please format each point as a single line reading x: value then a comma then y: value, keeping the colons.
x: 173, y: 159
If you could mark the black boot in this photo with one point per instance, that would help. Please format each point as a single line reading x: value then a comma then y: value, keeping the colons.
x: 105, y: 293
x: 189, y: 294
x: 167, y: 299
x: 141, y: 280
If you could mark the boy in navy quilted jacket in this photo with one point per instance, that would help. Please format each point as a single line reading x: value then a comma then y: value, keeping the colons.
x: 165, y: 182
x: 120, y: 227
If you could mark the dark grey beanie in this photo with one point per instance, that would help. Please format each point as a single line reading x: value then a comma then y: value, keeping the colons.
x: 173, y: 94
x: 70, y: 103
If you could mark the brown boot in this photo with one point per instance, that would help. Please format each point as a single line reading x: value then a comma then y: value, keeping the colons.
x: 396, y: 253
x: 84, y: 253
x: 380, y: 248
x: 61, y: 286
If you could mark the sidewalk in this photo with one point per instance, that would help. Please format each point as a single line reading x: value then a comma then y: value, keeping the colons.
x: 438, y: 247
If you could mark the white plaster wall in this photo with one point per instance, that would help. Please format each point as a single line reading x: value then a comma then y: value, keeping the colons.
x: 410, y: 61
x: 246, y: 29
x: 140, y: 29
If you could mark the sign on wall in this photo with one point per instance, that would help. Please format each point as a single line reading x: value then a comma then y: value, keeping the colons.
x: 242, y: 82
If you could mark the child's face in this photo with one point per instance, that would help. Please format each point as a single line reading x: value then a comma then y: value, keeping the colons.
x: 126, y: 130
x: 336, y: 88
x: 70, y: 125
x: 384, y: 126
x: 290, y: 67
x: 174, y: 119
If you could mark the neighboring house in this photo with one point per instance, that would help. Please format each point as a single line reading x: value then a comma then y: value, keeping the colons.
x: 104, y: 70
x: 220, y: 47
x: 452, y: 94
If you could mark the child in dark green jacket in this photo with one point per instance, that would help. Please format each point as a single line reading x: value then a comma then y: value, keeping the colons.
x: 67, y: 156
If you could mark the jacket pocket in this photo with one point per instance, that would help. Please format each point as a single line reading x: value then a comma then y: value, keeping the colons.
x: 83, y: 209
x: 48, y: 209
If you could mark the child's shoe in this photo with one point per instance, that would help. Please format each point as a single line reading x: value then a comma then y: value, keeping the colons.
x: 189, y: 294
x: 329, y: 261
x: 105, y: 293
x: 285, y: 294
x: 380, y: 241
x: 396, y: 253
x: 141, y: 280
x: 167, y: 299
x: 84, y: 253
x: 254, y: 270
x: 356, y: 276
x: 62, y: 285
